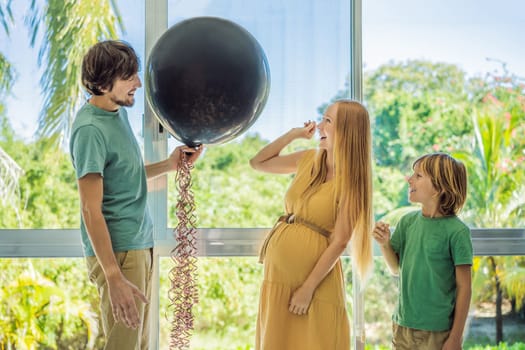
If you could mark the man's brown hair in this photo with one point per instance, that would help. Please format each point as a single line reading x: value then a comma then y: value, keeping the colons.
x: 106, y: 62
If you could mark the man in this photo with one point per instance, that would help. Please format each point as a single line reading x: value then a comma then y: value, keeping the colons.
x: 117, y: 235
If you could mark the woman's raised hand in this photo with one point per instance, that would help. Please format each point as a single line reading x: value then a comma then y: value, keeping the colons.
x: 307, y: 131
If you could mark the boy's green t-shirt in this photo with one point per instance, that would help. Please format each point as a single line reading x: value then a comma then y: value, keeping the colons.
x: 103, y: 142
x: 429, y: 249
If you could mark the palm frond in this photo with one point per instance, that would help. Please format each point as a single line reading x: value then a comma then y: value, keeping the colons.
x: 70, y: 28
x: 481, y: 279
x: 6, y: 16
x: 512, y: 281
x: 7, y: 75
x: 10, y: 173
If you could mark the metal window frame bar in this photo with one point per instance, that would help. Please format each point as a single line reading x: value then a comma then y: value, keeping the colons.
x: 356, y: 93
x: 155, y: 149
x: 218, y: 242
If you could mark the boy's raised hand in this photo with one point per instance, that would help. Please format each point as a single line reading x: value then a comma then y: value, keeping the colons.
x: 381, y: 233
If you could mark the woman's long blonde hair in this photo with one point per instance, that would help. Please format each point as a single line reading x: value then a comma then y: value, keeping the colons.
x: 353, y: 179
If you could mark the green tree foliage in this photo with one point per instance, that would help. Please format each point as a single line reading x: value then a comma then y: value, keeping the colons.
x: 417, y: 107
x: 7, y: 77
x: 228, y: 192
x: 9, y: 171
x: 48, y: 193
x: 69, y: 28
x: 496, y: 167
x: 38, y: 310
x: 226, y: 313
x: 495, y: 157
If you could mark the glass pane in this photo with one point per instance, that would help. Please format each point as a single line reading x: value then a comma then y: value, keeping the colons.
x: 38, y: 189
x: 480, y: 331
x: 132, y: 13
x: 307, y: 47
x: 48, y: 304
x: 49, y: 290
x: 380, y: 299
x: 436, y: 75
x: 497, y: 313
x: 225, y: 316
x: 475, y: 35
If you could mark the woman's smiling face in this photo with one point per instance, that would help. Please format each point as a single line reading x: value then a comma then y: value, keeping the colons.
x: 327, y: 128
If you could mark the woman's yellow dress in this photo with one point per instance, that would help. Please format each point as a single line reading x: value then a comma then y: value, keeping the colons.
x: 291, y: 254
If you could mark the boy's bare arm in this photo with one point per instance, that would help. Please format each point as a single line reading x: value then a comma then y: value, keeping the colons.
x: 463, y: 295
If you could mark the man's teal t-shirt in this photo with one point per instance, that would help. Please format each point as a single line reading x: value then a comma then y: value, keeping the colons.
x: 103, y: 142
x: 429, y: 249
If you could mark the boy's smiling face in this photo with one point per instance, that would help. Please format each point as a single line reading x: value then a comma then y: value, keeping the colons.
x: 420, y: 188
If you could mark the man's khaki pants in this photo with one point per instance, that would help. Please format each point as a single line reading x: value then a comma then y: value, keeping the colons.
x: 136, y: 265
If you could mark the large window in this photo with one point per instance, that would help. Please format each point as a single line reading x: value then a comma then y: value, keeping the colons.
x: 437, y: 76
x: 307, y: 44
x: 448, y: 76
x: 40, y: 55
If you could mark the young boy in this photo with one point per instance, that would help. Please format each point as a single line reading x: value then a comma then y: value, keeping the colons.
x: 431, y: 251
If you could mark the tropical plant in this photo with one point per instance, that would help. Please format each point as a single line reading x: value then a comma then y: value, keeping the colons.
x: 47, y: 195
x: 226, y: 313
x: 226, y: 194
x: 496, y: 165
x: 69, y: 27
x: 35, y: 312
x: 10, y: 172
x: 417, y: 107
x: 420, y: 107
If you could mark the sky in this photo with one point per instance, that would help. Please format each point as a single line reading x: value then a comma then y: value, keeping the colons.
x: 306, y: 44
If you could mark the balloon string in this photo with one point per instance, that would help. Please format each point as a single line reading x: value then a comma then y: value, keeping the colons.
x: 183, y: 293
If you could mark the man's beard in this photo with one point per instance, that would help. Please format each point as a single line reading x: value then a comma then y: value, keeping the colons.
x: 124, y: 103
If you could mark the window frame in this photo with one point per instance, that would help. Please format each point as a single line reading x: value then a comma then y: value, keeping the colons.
x: 220, y: 242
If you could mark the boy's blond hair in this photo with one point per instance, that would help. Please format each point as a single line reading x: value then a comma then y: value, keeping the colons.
x: 449, y: 178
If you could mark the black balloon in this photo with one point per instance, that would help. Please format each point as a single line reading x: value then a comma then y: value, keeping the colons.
x: 207, y: 80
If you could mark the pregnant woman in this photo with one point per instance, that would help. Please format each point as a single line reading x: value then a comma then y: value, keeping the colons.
x: 329, y: 204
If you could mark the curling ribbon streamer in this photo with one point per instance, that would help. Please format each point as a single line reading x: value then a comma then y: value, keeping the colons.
x: 183, y: 293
